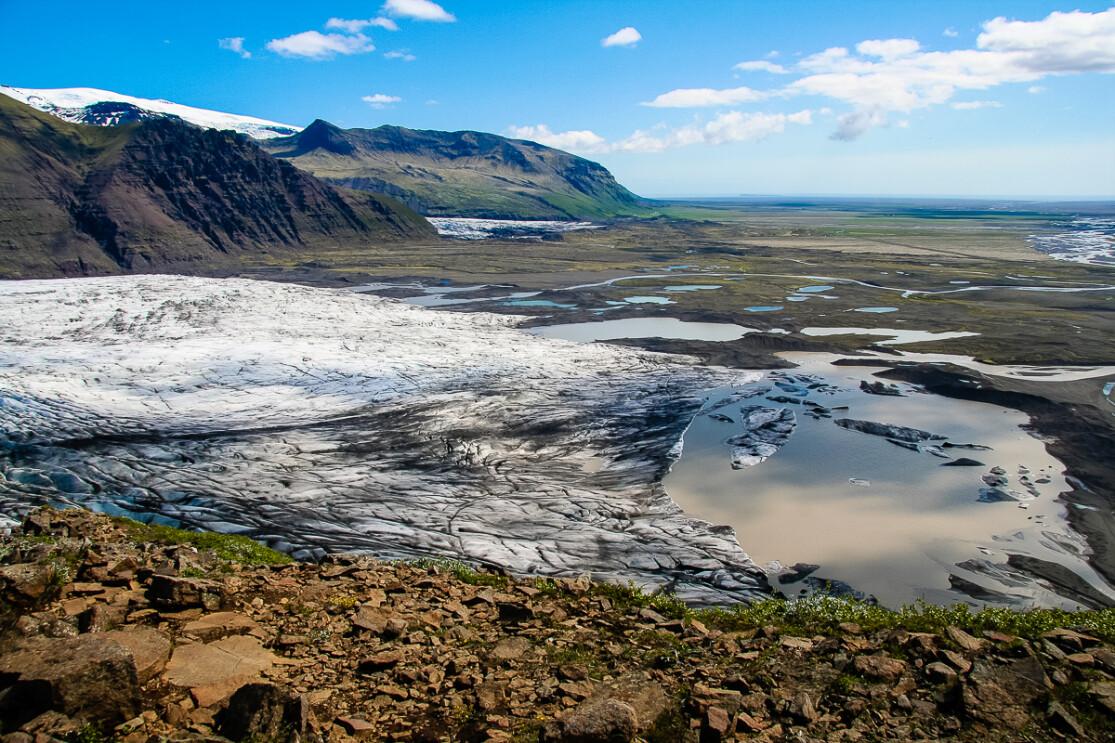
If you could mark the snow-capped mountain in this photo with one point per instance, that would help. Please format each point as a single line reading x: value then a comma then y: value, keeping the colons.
x: 105, y: 108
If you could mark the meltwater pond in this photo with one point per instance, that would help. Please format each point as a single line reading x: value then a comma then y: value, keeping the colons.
x: 958, y: 515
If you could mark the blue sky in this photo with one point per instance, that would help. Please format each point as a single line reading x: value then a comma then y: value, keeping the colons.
x: 942, y: 99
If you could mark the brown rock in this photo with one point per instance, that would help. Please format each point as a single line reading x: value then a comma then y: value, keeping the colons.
x: 802, y: 708
x: 173, y: 592
x: 213, y: 672
x: 356, y: 726
x: 265, y: 712
x: 25, y: 584
x: 941, y: 673
x: 1061, y: 720
x: 149, y: 648
x: 879, y: 667
x: 797, y: 643
x: 716, y: 724
x: 604, y: 721
x: 220, y: 624
x: 956, y: 660
x: 1070, y: 638
x: 89, y: 678
x: 966, y: 642
x: 1001, y: 695
x: 379, y: 661
x: 510, y: 649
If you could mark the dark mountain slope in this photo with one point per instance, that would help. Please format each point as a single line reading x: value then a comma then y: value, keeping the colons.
x: 164, y: 195
x: 460, y: 173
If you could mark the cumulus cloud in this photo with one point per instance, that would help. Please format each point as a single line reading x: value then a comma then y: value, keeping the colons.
x: 626, y: 36
x: 975, y: 105
x: 583, y: 141
x: 888, y: 48
x: 381, y: 100
x: 882, y: 77
x: 357, y: 25
x: 235, y: 44
x: 731, y: 126
x: 703, y: 97
x: 761, y: 65
x: 951, y: 32
x: 317, y: 46
x: 400, y: 54
x: 418, y: 10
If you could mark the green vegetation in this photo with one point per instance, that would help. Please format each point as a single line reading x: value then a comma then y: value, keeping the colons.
x: 229, y: 547
x: 462, y: 571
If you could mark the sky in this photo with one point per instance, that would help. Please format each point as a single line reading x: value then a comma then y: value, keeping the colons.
x: 1011, y: 98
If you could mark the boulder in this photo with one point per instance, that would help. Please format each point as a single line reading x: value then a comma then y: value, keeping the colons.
x: 213, y: 672
x: 172, y: 592
x: 594, y: 721
x: 91, y: 678
x: 25, y: 584
x: 264, y: 711
x: 221, y: 624
x: 1001, y: 695
x: 149, y: 648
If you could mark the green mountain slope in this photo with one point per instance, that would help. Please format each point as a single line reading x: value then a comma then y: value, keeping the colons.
x: 165, y: 195
x: 460, y: 173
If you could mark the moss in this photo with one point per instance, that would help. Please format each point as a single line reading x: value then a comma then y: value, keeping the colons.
x: 231, y: 547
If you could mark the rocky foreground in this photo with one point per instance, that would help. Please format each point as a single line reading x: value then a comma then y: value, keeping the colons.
x: 113, y: 629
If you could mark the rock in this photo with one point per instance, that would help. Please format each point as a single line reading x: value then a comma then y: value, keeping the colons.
x: 716, y: 724
x: 802, y: 708
x: 25, y: 584
x: 1001, y: 694
x: 513, y: 612
x: 265, y: 712
x: 1061, y: 720
x: 357, y: 727
x: 173, y: 592
x: 90, y: 678
x: 221, y: 624
x: 956, y: 660
x: 150, y: 649
x: 510, y: 649
x: 1070, y: 638
x: 797, y: 643
x: 966, y: 642
x: 379, y: 661
x: 213, y: 672
x: 879, y: 667
x: 603, y: 721
x: 880, y: 388
x: 941, y: 673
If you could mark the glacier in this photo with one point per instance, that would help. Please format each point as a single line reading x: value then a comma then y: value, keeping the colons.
x: 323, y: 420
x: 74, y: 105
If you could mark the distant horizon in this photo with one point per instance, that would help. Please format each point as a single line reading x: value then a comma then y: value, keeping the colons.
x: 890, y: 197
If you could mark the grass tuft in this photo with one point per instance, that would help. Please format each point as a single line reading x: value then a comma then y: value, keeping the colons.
x: 231, y: 547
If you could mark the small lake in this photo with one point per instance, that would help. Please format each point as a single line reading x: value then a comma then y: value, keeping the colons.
x: 643, y: 327
x: 888, y: 521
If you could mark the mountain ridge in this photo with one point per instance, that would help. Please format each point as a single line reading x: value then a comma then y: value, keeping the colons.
x: 463, y: 173
x: 163, y: 195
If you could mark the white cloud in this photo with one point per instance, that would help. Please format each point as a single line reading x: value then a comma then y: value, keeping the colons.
x: 357, y: 25
x: 702, y: 97
x: 1035, y: 89
x: 975, y: 105
x: 896, y: 76
x: 951, y: 32
x: 761, y: 65
x: 401, y: 54
x: 316, y: 45
x: 381, y: 100
x: 583, y: 141
x: 234, y: 44
x: 418, y: 10
x: 732, y: 126
x: 1061, y: 42
x: 626, y: 36
x: 888, y: 48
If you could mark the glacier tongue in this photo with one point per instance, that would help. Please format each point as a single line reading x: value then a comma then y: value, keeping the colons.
x: 322, y: 420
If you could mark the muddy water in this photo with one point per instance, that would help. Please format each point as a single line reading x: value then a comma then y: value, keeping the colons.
x: 890, y: 522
